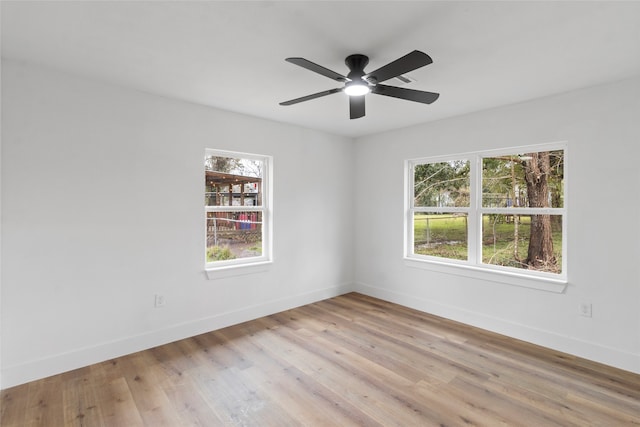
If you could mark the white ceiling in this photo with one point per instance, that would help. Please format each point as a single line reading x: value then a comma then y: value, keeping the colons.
x: 231, y: 55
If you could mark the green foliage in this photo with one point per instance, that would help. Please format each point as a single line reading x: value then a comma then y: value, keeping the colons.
x: 504, y: 183
x: 441, y: 235
x: 445, y: 236
x: 502, y: 180
x: 532, y: 180
x: 498, y: 242
x: 220, y: 164
x: 446, y: 184
x: 234, y: 165
x: 442, y: 184
x: 556, y: 178
x: 219, y: 253
x: 441, y: 226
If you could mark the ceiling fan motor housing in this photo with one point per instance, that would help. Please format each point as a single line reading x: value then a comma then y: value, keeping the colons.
x: 356, y: 64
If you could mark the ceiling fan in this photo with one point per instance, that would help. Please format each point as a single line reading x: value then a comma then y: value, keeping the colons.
x: 358, y: 83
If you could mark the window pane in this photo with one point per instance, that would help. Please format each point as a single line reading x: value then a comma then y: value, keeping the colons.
x: 443, y: 184
x: 440, y: 235
x: 231, y: 181
x: 532, y: 180
x: 232, y: 235
x: 532, y: 242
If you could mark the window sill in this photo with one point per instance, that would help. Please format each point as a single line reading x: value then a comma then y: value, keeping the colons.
x: 510, y: 278
x: 237, y: 270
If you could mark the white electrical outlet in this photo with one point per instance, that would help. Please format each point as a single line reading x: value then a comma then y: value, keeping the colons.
x: 159, y: 301
x: 585, y: 309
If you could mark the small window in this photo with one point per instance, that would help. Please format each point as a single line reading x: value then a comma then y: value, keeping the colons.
x: 236, y: 208
x: 503, y: 211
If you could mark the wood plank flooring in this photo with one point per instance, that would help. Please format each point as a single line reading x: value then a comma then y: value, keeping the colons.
x: 347, y: 361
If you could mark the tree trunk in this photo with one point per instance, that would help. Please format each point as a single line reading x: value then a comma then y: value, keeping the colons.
x: 540, y: 253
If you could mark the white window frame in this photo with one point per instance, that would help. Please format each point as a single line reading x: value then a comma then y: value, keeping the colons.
x: 473, y: 266
x: 240, y: 266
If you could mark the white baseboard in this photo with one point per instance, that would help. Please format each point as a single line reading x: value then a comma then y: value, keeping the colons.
x: 78, y: 358
x: 566, y: 344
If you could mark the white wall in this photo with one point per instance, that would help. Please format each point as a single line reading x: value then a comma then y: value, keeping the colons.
x: 102, y: 207
x: 601, y: 125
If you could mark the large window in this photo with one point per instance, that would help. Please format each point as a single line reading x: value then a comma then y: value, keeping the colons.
x: 236, y: 208
x: 497, y: 210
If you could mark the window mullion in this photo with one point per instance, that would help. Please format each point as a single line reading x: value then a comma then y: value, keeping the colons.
x: 441, y: 210
x: 522, y: 211
x: 235, y: 208
x: 475, y: 226
x: 410, y: 213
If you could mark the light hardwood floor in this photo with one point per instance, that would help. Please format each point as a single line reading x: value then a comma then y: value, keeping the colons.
x: 346, y: 361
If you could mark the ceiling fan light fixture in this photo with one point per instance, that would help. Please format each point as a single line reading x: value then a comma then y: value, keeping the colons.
x: 356, y: 89
x: 359, y: 83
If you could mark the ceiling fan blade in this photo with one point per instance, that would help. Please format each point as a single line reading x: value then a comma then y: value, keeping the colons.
x: 313, y: 96
x: 356, y: 107
x: 409, y: 62
x: 403, y: 93
x: 317, y: 69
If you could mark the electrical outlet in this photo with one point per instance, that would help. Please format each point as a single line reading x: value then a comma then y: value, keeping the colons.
x: 159, y: 301
x: 585, y: 309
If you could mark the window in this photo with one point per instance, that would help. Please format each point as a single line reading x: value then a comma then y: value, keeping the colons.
x: 499, y: 210
x: 236, y: 208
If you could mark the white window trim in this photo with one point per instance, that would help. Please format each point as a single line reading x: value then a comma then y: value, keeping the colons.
x: 251, y: 265
x: 473, y: 266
